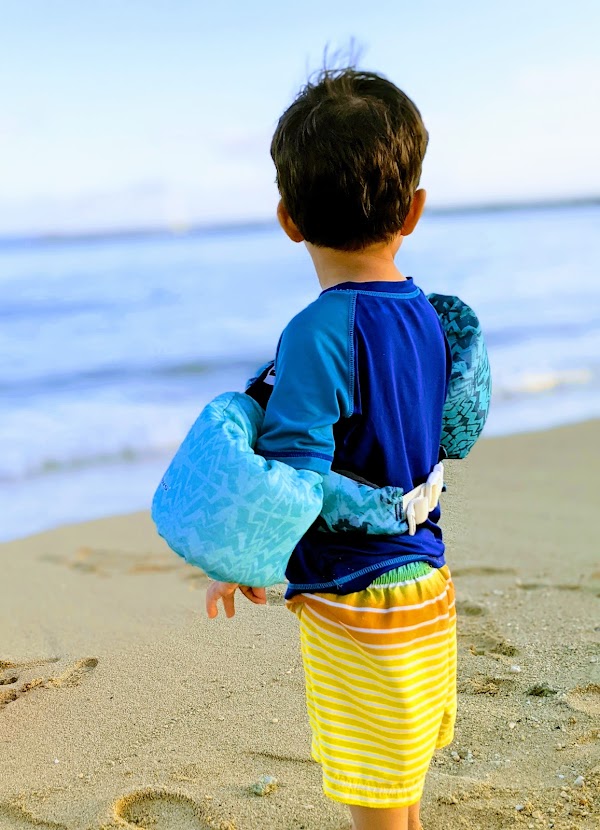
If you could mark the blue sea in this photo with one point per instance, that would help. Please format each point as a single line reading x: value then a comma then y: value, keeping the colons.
x: 110, y: 348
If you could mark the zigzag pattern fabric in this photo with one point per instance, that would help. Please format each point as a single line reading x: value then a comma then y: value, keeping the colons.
x: 227, y: 510
x: 470, y: 390
x: 350, y: 505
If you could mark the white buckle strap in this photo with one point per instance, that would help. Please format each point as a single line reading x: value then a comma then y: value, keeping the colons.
x: 418, y: 503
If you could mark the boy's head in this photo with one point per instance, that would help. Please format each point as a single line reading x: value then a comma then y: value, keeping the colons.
x: 348, y: 154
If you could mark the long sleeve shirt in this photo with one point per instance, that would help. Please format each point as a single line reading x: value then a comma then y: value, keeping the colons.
x: 360, y: 380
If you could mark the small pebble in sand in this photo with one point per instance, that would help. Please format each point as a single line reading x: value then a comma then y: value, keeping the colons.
x: 515, y: 669
x: 579, y: 781
x: 274, y: 720
x: 265, y: 784
x: 80, y: 775
x: 512, y: 724
x: 455, y: 756
x: 519, y: 807
x: 56, y: 761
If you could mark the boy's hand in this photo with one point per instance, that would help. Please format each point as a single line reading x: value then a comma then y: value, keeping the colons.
x: 226, y: 591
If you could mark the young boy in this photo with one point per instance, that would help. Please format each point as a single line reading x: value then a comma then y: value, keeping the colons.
x: 360, y: 381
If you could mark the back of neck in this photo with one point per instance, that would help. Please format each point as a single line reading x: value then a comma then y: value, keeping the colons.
x: 372, y: 264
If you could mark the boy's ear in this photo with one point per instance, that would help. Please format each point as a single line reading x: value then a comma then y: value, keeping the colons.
x: 288, y: 224
x: 414, y: 214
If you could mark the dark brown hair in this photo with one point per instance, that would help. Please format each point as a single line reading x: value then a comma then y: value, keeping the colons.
x: 348, y: 154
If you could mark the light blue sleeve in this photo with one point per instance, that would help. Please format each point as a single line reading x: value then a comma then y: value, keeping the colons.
x: 314, y: 385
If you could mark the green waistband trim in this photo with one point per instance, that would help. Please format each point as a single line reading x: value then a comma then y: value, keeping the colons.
x: 411, y: 571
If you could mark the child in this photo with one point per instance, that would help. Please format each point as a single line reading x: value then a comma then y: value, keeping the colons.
x: 359, y: 386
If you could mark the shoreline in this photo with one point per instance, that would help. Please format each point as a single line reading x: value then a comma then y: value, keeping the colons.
x: 72, y: 481
x: 122, y: 705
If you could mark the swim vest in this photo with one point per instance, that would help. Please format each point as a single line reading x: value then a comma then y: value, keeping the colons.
x: 239, y: 516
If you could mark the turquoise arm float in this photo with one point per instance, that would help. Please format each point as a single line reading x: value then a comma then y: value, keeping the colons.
x: 238, y: 516
x: 227, y: 510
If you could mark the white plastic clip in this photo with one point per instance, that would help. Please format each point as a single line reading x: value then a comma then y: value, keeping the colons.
x: 419, y: 503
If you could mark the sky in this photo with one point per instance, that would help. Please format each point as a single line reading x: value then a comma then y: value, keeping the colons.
x: 160, y: 112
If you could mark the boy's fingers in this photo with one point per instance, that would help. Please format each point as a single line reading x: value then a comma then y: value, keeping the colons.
x: 260, y: 596
x: 211, y: 603
x: 217, y: 591
x: 229, y: 604
x: 256, y: 595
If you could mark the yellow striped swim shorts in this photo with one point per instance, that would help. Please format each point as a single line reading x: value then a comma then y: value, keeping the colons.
x: 380, y: 672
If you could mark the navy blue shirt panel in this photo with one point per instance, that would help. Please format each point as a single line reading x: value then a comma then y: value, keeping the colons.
x: 402, y: 368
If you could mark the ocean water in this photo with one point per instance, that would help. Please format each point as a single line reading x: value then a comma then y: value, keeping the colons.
x: 109, y: 349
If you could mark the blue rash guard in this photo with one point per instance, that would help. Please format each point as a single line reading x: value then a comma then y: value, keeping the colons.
x: 361, y: 377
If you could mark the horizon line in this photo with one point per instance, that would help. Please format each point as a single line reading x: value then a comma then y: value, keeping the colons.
x: 199, y: 228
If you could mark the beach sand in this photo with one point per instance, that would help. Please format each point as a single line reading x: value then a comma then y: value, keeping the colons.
x: 122, y: 705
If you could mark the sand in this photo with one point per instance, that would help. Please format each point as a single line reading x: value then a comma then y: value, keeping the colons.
x: 122, y: 705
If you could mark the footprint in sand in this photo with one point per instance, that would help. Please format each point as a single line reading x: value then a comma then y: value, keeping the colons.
x: 481, y: 636
x: 487, y: 686
x: 274, y: 756
x: 72, y: 676
x: 531, y: 586
x: 29, y: 664
x: 590, y: 586
x: 75, y: 673
x: 481, y: 570
x: 10, y: 676
x: 13, y: 817
x: 536, y: 586
x: 108, y: 562
x: 470, y: 609
x: 589, y: 737
x: 156, y: 809
x: 585, y: 699
x: 490, y: 642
